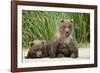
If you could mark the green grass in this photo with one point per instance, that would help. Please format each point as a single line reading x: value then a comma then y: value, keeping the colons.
x: 43, y: 25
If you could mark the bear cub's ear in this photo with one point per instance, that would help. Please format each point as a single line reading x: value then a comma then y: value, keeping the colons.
x: 72, y: 20
x: 31, y: 44
x: 62, y: 20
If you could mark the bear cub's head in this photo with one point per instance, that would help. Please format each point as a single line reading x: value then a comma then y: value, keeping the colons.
x: 37, y: 48
x: 66, y: 27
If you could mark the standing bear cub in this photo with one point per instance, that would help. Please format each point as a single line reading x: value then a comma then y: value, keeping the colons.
x: 63, y: 44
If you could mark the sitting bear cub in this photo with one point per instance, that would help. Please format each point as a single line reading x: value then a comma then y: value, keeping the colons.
x: 63, y: 44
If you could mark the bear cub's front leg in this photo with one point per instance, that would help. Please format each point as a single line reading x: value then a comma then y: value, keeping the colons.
x: 73, y: 50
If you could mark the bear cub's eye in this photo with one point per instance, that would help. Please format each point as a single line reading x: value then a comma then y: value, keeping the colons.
x: 42, y: 42
x: 64, y: 26
x: 69, y: 27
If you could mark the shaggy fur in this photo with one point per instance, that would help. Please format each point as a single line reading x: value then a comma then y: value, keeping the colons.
x: 37, y: 49
x: 63, y: 45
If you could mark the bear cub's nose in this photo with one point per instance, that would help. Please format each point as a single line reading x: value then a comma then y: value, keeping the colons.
x: 67, y: 32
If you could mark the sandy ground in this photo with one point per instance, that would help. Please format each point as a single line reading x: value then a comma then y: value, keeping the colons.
x: 83, y: 55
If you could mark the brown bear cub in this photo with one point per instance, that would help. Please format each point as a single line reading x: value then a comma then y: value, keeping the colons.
x: 63, y: 45
x: 37, y: 49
